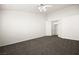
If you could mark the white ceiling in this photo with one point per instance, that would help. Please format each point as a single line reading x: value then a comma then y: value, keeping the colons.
x: 56, y: 7
x: 32, y: 7
x: 23, y: 7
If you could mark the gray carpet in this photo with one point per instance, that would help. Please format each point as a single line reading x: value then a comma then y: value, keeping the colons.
x: 52, y: 45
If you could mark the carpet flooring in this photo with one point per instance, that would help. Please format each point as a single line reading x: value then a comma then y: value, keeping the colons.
x: 49, y: 45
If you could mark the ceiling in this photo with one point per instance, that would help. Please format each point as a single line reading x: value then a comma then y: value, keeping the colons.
x: 56, y: 7
x: 32, y: 7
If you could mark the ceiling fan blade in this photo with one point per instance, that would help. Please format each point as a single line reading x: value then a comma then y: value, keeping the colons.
x: 48, y: 5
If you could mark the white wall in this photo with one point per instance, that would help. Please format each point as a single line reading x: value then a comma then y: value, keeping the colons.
x: 70, y: 27
x: 48, y: 28
x: 0, y: 25
x: 69, y: 21
x: 19, y: 26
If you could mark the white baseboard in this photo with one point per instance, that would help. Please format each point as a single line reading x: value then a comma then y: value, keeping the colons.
x: 26, y: 39
x: 68, y: 38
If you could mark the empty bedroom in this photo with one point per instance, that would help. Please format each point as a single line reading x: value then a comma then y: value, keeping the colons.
x: 39, y: 29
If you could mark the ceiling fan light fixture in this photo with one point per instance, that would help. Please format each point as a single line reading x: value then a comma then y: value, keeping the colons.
x: 43, y: 7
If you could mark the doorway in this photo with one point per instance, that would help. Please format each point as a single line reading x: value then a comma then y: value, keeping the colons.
x: 55, y: 29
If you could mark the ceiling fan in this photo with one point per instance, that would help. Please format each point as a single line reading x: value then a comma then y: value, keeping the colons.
x: 43, y: 7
